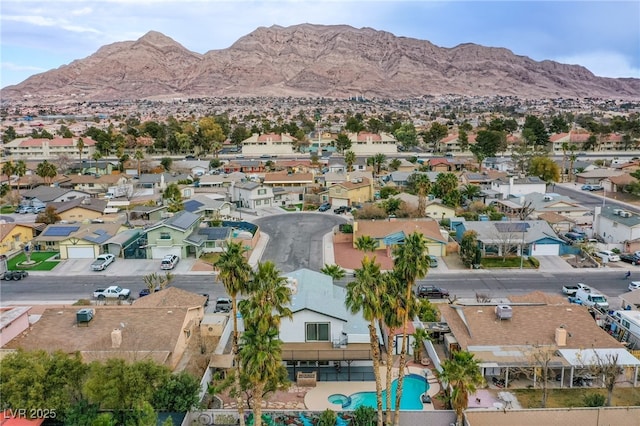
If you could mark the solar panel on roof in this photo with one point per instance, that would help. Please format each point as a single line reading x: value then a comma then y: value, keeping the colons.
x: 60, y: 231
x: 512, y: 226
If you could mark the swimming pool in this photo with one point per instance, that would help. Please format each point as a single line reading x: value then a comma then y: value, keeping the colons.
x: 413, y: 387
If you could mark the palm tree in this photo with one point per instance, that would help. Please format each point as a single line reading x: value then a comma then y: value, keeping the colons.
x: 572, y: 159
x: 334, y: 271
x: 349, y: 159
x: 139, y: 155
x: 470, y: 191
x: 378, y: 161
x: 8, y: 170
x: 366, y: 244
x: 235, y: 272
x: 261, y: 354
x: 419, y: 336
x: 80, y: 147
x: 20, y: 169
x: 565, y: 148
x: 364, y: 295
x: 422, y: 184
x: 47, y: 171
x: 411, y: 262
x: 393, y: 305
x: 462, y: 374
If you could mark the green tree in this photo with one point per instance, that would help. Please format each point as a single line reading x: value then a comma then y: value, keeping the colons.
x: 166, y: 163
x: 419, y: 184
x: 411, y: 263
x: 139, y: 156
x: 435, y: 134
x: 37, y: 379
x: 395, y: 164
x: 354, y: 125
x: 391, y: 205
x: 545, y: 168
x: 388, y: 191
x: 363, y: 295
x: 537, y: 128
x: 488, y: 143
x: 393, y: 305
x: 47, y: 171
x: 444, y: 184
x: 366, y: 244
x: 342, y: 142
x: 406, y: 135
x: 471, y: 192
x: 8, y: 170
x: 336, y: 272
x: 210, y: 135
x: 48, y: 216
x: 469, y: 250
x: 349, y: 159
x: 377, y: 161
x: 9, y: 134
x: 80, y: 148
x: 462, y: 373
x: 235, y: 273
x: 463, y: 140
x: 179, y: 393
x: 261, y: 353
x: 20, y: 169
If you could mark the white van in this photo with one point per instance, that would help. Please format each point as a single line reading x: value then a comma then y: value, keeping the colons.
x: 592, y: 299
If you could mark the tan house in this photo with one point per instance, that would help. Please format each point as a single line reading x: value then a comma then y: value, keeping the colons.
x: 365, y: 143
x: 269, y: 144
x: 76, y: 240
x: 358, y: 190
x: 158, y: 333
x: 391, y: 233
x: 438, y: 211
x: 13, y: 321
x: 279, y: 179
x: 94, y: 184
x: 13, y: 236
x: 80, y: 209
x: 49, y: 148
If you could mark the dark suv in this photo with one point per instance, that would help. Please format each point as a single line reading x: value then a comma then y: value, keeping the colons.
x: 324, y: 207
x: 431, y: 292
x: 342, y: 209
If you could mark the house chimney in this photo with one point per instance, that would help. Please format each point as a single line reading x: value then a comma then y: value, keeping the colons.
x: 116, y: 338
x: 561, y: 336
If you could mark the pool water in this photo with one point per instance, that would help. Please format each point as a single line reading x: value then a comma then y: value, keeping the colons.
x: 413, y: 387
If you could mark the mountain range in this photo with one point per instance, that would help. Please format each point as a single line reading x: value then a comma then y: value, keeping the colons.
x: 336, y: 61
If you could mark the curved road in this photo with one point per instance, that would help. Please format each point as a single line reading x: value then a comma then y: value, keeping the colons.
x: 296, y: 239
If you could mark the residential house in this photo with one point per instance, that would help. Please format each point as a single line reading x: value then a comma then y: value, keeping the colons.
x: 269, y: 144
x: 531, y: 237
x: 296, y: 166
x: 168, y: 236
x: 252, y: 195
x: 332, y: 178
x: 559, y: 204
x: 94, y: 184
x: 146, y: 215
x: 14, y: 320
x: 48, y: 194
x: 76, y: 241
x: 618, y: 183
x: 406, y: 166
x: 14, y: 236
x: 283, y: 179
x: 560, y: 224
x: 194, y: 168
x: 502, y: 164
x: 506, y: 337
x: 389, y: 233
x: 91, y: 167
x: 220, y: 181
x: 322, y: 331
x: 157, y: 334
x: 174, y: 297
x: 127, y: 244
x: 438, y: 211
x: 244, y: 166
x: 617, y: 226
x: 49, y: 149
x: 557, y: 140
x: 368, y: 144
x: 483, y: 180
x: 516, y: 187
x: 336, y: 165
x: 79, y: 209
x: 208, y: 207
x: 160, y: 180
x: 595, y: 177
x: 441, y: 165
x: 358, y: 190
x: 286, y: 196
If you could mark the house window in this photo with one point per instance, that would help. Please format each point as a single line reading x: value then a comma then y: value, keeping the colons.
x: 262, y: 191
x: 258, y: 202
x: 165, y: 236
x: 317, y: 332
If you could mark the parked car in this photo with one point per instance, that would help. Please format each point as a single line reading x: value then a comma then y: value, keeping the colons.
x: 631, y: 258
x: 15, y: 275
x: 206, y: 302
x: 608, y: 256
x: 102, y: 261
x: 342, y: 209
x: 146, y: 291
x: 169, y: 261
x: 431, y: 292
x: 634, y: 285
x: 574, y: 237
x: 324, y: 207
x: 24, y: 209
x: 433, y: 261
x: 223, y: 304
x: 591, y: 187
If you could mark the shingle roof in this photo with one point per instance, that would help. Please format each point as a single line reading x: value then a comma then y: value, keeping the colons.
x: 182, y: 220
x: 201, y: 235
x: 488, y: 232
x: 382, y: 228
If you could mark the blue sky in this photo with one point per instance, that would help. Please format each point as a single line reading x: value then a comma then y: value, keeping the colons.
x: 603, y: 36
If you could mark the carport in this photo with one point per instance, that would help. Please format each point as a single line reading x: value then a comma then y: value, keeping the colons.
x: 584, y: 360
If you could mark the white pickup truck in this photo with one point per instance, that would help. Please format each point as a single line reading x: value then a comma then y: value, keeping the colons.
x: 571, y: 290
x: 102, y: 261
x: 113, y: 292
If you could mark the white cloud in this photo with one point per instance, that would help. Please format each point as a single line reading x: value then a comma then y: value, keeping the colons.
x: 16, y: 67
x: 42, y: 21
x: 81, y: 12
x: 603, y: 64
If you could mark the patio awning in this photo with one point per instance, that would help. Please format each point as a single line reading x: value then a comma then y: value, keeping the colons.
x: 588, y: 357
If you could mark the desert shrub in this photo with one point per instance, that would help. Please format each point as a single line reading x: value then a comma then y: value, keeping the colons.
x: 364, y: 416
x: 594, y: 400
x: 327, y: 418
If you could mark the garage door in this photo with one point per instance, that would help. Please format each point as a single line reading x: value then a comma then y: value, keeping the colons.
x: 80, y: 253
x: 160, y: 252
x: 436, y: 249
x: 545, y: 250
x: 337, y: 202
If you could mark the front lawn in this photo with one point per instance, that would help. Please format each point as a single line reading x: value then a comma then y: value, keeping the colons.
x: 292, y: 207
x: 43, y: 259
x: 561, y: 398
x: 509, y: 262
x: 7, y: 209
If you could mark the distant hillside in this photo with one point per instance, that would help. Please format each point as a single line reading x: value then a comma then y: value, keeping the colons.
x: 312, y: 60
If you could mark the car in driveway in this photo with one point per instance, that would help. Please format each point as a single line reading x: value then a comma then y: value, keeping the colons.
x: 15, y: 275
x: 169, y: 262
x: 342, y: 209
x: 592, y: 187
x: 102, y: 261
x: 631, y: 258
x: 431, y: 292
x: 634, y: 285
x: 324, y: 207
x: 608, y: 256
x: 433, y: 261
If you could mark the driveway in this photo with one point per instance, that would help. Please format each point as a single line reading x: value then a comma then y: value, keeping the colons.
x: 121, y: 267
x: 295, y: 239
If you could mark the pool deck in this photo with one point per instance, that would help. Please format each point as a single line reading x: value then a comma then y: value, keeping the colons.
x: 316, y: 398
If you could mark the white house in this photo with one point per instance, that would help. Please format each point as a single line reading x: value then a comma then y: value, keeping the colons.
x: 615, y: 225
x: 517, y: 187
x: 366, y: 144
x: 268, y: 144
x: 251, y: 195
x: 322, y: 331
